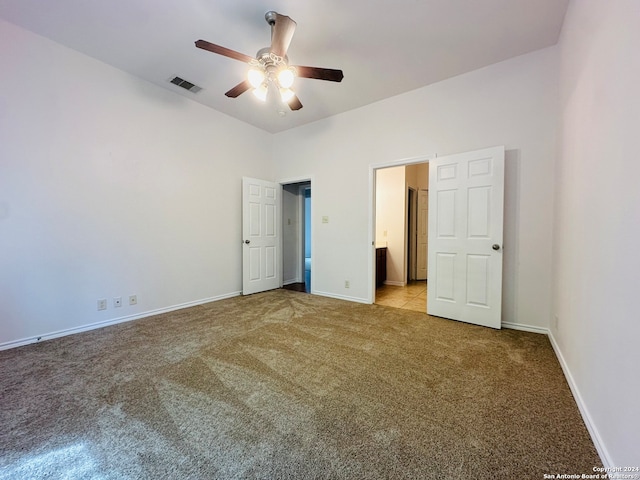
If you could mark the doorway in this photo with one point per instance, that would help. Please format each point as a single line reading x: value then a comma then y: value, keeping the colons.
x: 465, y: 233
x: 296, y: 236
x: 307, y: 237
x: 398, y: 224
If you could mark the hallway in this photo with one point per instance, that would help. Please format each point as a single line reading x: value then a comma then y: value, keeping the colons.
x: 413, y: 296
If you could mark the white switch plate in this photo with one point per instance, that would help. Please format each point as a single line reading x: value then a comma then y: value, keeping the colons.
x: 325, y: 219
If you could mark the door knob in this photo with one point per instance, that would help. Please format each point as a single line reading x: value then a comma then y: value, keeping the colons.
x: 495, y: 246
x: 247, y: 242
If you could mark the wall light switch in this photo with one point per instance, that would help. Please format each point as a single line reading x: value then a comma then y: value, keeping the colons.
x: 325, y: 219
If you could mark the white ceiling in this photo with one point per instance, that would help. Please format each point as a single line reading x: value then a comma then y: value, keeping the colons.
x: 384, y: 47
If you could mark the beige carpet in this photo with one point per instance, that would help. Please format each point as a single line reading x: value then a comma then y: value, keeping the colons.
x: 289, y: 385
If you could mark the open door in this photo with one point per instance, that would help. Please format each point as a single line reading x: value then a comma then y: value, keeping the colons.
x: 466, y: 196
x: 423, y: 231
x: 260, y: 235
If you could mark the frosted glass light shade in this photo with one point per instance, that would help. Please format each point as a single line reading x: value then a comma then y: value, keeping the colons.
x: 261, y: 92
x: 285, y: 78
x: 286, y: 94
x: 255, y: 77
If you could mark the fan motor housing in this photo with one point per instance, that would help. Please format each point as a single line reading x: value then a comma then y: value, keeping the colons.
x: 265, y: 57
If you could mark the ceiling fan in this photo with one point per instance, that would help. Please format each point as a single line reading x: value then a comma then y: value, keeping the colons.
x: 270, y: 74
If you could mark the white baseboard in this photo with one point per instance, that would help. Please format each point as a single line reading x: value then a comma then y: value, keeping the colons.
x: 394, y: 283
x: 113, y: 321
x: 525, y: 328
x: 340, y: 297
x: 584, y: 411
x: 289, y: 282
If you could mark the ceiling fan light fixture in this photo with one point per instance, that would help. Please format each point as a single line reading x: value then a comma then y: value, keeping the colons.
x: 270, y: 77
x: 255, y: 77
x: 286, y: 76
x: 261, y: 92
x: 286, y: 94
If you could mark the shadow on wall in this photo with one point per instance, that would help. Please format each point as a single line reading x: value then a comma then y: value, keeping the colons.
x: 510, y: 235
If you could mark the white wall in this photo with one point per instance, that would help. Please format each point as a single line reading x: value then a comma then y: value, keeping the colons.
x: 597, y: 227
x: 390, y: 220
x: 513, y: 103
x: 111, y: 186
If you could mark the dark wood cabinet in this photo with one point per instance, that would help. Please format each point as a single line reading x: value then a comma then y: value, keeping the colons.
x: 381, y: 266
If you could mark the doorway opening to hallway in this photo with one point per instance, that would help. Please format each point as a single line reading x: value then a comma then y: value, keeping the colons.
x: 296, y: 236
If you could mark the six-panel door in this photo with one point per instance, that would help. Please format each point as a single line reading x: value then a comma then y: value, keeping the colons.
x: 466, y: 196
x: 261, y: 242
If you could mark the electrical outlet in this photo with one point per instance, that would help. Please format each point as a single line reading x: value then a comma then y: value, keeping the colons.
x: 347, y: 284
x: 133, y: 299
x: 102, y: 304
x: 117, y: 302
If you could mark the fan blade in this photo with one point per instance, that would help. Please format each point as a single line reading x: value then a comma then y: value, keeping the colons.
x: 238, y: 89
x: 281, y: 34
x: 329, y: 74
x: 294, y: 103
x: 212, y: 47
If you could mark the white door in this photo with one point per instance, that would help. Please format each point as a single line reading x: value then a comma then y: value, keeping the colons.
x: 260, y: 235
x: 466, y: 195
x: 423, y: 234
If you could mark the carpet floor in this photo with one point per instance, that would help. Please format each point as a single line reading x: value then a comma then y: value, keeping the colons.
x: 287, y: 385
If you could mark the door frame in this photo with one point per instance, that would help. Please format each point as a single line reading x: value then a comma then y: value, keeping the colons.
x: 289, y: 181
x: 412, y: 233
x: 373, y: 167
x: 302, y: 219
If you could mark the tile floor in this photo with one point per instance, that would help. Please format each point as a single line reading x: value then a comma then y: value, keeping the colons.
x: 413, y: 296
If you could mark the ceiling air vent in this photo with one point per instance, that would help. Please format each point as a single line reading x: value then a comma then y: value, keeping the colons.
x: 181, y: 82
